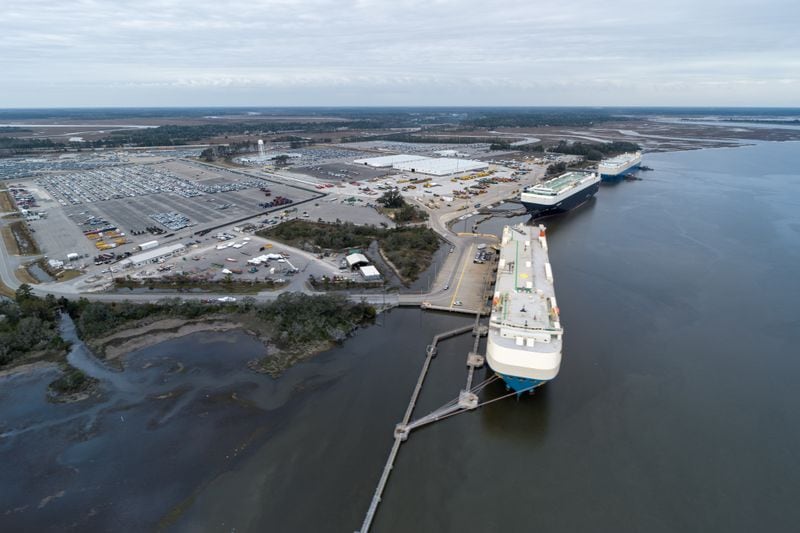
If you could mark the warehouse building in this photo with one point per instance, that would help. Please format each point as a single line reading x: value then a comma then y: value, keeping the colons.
x: 370, y: 273
x: 434, y: 166
x: 441, y: 166
x: 355, y: 261
x: 152, y: 256
x: 387, y: 161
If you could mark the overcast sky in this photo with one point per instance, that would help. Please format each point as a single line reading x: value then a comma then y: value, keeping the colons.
x: 374, y: 52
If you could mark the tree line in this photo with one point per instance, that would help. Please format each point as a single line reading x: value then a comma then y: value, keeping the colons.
x: 594, y: 151
x: 29, y: 326
x: 291, y: 320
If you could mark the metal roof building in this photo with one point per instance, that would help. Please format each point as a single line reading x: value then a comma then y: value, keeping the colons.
x: 370, y: 273
x: 387, y: 160
x: 151, y: 255
x: 441, y: 166
x: 356, y: 260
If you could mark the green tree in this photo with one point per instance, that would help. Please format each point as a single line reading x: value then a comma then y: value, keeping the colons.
x: 24, y: 292
x: 392, y: 199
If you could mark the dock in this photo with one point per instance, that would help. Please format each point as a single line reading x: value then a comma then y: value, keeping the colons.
x: 402, y: 429
x: 466, y: 400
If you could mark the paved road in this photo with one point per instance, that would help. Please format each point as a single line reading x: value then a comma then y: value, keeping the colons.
x: 8, y: 263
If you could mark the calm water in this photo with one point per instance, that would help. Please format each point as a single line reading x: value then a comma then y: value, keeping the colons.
x: 675, y: 410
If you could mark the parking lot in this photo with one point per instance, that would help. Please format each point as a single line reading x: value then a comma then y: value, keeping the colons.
x: 225, y: 256
x: 330, y: 209
x: 345, y: 172
x: 304, y: 157
x: 470, y: 150
x: 190, y: 199
x: 22, y: 167
x: 132, y: 181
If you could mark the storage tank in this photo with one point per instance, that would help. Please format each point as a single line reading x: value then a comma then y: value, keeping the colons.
x: 149, y: 245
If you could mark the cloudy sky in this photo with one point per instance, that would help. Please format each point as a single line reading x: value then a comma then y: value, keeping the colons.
x: 400, y: 52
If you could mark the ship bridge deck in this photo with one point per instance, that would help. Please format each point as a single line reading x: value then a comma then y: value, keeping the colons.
x: 524, y: 304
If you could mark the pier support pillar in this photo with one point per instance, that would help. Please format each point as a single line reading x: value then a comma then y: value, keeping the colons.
x: 475, y: 360
x: 401, y: 432
x: 480, y: 331
x: 467, y: 400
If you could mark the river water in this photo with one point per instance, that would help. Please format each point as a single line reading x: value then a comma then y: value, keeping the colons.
x: 675, y: 409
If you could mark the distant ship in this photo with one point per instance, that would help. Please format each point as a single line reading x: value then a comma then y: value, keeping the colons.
x: 524, y: 341
x: 619, y: 166
x: 560, y: 194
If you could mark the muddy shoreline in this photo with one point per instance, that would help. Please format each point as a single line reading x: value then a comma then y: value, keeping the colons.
x: 113, y: 348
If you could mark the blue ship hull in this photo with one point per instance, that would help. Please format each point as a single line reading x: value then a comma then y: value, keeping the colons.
x: 539, y: 210
x: 621, y: 175
x: 520, y: 385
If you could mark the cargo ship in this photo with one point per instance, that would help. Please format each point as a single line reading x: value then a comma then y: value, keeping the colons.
x: 524, y: 341
x: 617, y: 167
x: 560, y: 194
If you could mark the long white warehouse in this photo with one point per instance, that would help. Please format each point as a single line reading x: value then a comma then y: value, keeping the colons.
x: 152, y: 255
x: 387, y: 161
x: 434, y: 166
x: 441, y: 166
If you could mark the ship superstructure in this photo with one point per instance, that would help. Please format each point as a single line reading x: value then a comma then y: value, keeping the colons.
x: 525, y: 333
x: 560, y: 194
x: 618, y: 166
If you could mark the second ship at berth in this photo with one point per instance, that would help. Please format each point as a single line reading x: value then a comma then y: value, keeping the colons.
x: 618, y: 167
x: 560, y: 194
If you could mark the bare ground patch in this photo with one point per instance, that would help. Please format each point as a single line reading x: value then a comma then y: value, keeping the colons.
x: 6, y: 204
x: 19, y: 239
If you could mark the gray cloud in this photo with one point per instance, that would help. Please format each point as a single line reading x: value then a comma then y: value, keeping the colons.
x: 403, y: 52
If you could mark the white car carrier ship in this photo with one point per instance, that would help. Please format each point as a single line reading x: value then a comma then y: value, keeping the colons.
x: 525, y: 333
x: 560, y: 194
x: 617, y: 167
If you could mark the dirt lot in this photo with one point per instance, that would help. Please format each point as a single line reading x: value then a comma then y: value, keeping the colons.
x: 19, y: 240
x: 6, y: 204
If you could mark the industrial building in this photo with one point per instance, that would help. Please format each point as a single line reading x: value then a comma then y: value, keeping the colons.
x: 356, y: 260
x: 151, y: 256
x: 387, y: 161
x: 441, y: 166
x: 370, y: 273
x: 434, y: 166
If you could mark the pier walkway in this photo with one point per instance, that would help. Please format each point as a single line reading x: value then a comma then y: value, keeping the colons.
x: 400, y: 436
x: 466, y: 400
